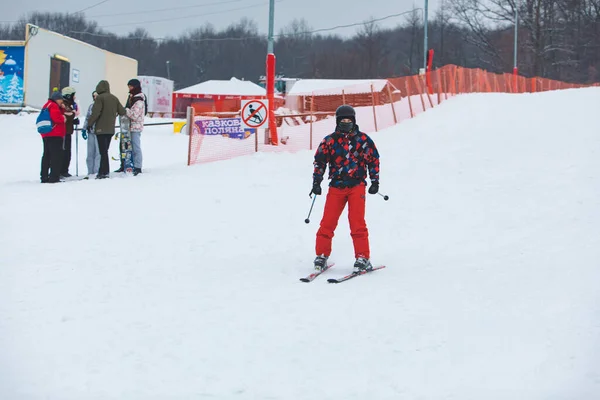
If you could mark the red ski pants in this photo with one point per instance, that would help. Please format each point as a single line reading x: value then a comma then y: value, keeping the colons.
x: 334, y: 205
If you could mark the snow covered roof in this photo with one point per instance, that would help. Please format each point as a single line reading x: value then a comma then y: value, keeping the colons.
x: 327, y: 87
x: 232, y: 87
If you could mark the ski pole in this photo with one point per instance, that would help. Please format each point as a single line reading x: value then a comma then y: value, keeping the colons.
x: 307, y: 220
x: 77, y: 151
x: 385, y: 196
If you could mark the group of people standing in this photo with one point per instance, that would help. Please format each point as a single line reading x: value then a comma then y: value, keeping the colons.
x: 98, y: 129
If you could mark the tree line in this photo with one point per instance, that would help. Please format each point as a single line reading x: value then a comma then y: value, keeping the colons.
x: 558, y: 39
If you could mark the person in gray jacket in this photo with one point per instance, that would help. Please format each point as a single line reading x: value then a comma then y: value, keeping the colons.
x: 93, y: 151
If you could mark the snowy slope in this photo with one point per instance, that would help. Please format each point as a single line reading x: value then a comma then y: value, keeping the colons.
x: 182, y: 283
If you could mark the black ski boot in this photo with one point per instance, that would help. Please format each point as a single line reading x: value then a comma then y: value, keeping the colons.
x: 321, y: 262
x: 362, y: 264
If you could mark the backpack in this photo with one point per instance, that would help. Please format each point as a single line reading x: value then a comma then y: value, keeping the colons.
x: 43, y: 122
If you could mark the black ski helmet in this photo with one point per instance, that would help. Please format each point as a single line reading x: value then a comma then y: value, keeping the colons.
x: 345, y: 111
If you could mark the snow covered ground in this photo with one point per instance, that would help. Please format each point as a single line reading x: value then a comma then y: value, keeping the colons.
x: 182, y: 283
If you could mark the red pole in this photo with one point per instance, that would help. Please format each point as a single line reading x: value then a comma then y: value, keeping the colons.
x: 173, y: 100
x: 515, y: 76
x: 271, y: 98
x: 428, y: 73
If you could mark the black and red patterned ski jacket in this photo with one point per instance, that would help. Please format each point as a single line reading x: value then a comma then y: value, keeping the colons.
x: 349, y: 156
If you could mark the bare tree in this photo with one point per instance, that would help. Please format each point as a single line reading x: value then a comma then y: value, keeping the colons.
x: 293, y: 48
x: 370, y: 44
x: 558, y: 39
x: 414, y: 22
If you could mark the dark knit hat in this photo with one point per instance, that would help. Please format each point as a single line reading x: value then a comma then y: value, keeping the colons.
x: 134, y: 82
x: 56, y: 96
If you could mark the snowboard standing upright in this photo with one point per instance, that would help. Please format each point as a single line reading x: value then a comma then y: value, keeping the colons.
x: 125, y: 145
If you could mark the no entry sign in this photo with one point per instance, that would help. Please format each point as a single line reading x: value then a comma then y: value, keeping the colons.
x: 255, y: 113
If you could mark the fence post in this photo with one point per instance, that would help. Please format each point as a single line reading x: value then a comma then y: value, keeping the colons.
x: 487, y: 81
x: 427, y: 91
x: 418, y: 82
x: 439, y: 86
x: 392, y: 103
x: 312, y: 110
x: 453, y: 79
x: 408, y: 96
x: 523, y: 86
x: 444, y: 84
x: 190, y: 126
x: 343, y: 96
x: 470, y: 84
x: 456, y: 81
x: 373, y: 101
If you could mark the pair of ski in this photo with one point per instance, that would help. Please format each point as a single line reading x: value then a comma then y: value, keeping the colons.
x: 314, y: 275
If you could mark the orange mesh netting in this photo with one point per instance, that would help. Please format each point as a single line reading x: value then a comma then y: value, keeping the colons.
x: 305, y: 117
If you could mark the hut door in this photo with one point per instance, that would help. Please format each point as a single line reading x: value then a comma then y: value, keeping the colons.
x: 59, y: 74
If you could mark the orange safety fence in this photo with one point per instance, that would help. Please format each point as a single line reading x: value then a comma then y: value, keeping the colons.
x: 304, y: 118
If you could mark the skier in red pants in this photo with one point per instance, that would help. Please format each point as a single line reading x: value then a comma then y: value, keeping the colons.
x: 350, y: 154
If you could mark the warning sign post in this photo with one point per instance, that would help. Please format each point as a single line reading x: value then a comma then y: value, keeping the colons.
x: 255, y: 113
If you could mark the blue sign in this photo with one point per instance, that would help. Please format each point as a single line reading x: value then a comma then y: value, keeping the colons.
x: 12, y: 60
x: 227, y: 127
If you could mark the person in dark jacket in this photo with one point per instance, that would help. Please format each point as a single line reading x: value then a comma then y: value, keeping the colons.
x: 72, y: 113
x: 53, y: 140
x: 104, y: 114
x: 351, y: 155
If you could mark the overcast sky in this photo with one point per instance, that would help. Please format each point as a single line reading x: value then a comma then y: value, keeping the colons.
x: 172, y: 17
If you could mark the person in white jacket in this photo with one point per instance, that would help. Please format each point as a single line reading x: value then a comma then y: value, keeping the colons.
x: 136, y: 111
x: 93, y: 151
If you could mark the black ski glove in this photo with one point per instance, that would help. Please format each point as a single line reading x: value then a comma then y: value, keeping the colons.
x: 316, y: 189
x: 76, y: 121
x: 374, y: 188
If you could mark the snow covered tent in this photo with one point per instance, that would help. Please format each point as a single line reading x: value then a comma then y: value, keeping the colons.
x: 216, y: 96
x: 45, y: 60
x: 330, y: 93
